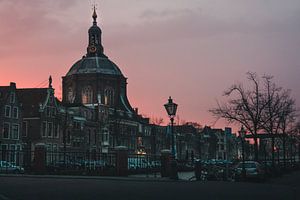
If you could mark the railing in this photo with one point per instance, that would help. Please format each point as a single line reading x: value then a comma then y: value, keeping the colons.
x: 74, y: 163
x: 81, y: 163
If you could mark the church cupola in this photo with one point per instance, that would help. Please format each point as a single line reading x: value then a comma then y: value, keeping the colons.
x: 95, y: 47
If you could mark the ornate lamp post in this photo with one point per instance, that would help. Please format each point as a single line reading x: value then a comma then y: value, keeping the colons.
x: 242, y: 134
x: 171, y: 109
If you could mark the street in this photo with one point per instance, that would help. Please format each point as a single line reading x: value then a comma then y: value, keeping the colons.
x: 286, y: 187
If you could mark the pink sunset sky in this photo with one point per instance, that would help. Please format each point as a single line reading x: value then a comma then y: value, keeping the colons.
x: 190, y: 49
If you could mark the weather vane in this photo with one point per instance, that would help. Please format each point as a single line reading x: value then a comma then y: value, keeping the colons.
x: 94, y: 5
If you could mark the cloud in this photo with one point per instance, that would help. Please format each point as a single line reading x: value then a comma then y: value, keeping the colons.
x: 32, y: 24
x: 171, y: 25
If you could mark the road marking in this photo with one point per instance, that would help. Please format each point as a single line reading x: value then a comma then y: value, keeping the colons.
x: 3, y: 197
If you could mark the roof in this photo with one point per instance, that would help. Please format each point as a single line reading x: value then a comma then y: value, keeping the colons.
x: 5, y: 91
x: 31, y: 98
x: 94, y: 65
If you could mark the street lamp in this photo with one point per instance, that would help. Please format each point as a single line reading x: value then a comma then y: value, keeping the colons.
x: 242, y: 134
x: 171, y: 109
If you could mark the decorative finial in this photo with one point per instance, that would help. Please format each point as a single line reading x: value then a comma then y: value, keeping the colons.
x: 95, y: 14
x: 50, y: 82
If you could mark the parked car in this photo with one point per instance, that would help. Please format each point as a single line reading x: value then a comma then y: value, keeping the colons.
x: 8, y: 167
x: 253, y: 170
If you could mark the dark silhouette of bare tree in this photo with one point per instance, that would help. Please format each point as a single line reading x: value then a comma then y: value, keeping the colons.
x: 261, y: 107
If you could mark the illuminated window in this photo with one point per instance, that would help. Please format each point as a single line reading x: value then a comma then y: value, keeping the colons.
x: 87, y: 95
x: 109, y: 97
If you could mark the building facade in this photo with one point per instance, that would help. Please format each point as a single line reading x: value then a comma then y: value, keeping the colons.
x: 10, y: 123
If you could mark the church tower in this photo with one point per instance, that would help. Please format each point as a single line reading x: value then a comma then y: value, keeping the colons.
x: 95, y: 47
x: 95, y: 79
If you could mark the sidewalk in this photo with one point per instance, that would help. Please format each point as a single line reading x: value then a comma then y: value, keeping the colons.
x: 185, y: 176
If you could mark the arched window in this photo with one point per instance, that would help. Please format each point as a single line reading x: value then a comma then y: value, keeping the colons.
x: 70, y: 95
x: 87, y: 95
x: 109, y: 97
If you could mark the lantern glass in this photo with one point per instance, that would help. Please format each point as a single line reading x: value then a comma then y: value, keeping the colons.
x: 171, y: 107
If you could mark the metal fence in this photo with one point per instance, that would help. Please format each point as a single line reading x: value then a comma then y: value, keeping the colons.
x: 75, y: 163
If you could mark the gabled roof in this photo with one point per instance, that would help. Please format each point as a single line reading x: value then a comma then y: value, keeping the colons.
x: 31, y: 98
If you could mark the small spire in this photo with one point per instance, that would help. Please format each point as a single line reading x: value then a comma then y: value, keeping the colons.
x: 95, y: 14
x: 50, y: 82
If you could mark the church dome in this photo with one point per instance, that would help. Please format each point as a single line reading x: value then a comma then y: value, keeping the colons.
x: 95, y: 64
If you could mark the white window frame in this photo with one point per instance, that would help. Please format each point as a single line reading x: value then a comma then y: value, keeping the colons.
x: 44, y: 129
x: 50, y: 124
x: 12, y: 133
x: 8, y: 135
x: 9, y: 113
x: 12, y: 152
x: 25, y: 132
x: 13, y: 112
x: 56, y: 131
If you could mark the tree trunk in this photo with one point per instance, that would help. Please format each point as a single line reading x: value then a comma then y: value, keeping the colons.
x: 273, y: 151
x: 255, y: 149
x: 284, y: 151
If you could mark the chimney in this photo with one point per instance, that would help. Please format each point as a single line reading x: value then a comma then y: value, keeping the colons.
x: 12, y: 84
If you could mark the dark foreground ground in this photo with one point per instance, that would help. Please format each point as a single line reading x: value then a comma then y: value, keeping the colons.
x: 284, y: 188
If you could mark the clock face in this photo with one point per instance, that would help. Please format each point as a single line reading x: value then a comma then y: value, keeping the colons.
x: 92, y: 49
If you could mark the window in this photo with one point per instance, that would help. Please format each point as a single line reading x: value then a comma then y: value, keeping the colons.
x: 87, y: 95
x: 24, y: 129
x: 50, y: 129
x: 55, y: 147
x: 44, y: 129
x: 105, y: 137
x: 7, y: 111
x: 108, y: 97
x: 12, y: 98
x: 222, y: 147
x: 95, y: 139
x: 48, y: 111
x: 12, y: 153
x: 15, y: 131
x: 69, y: 137
x: 15, y: 112
x: 6, y: 130
x: 89, y: 136
x: 4, y: 150
x: 56, y: 132
x: 53, y: 112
